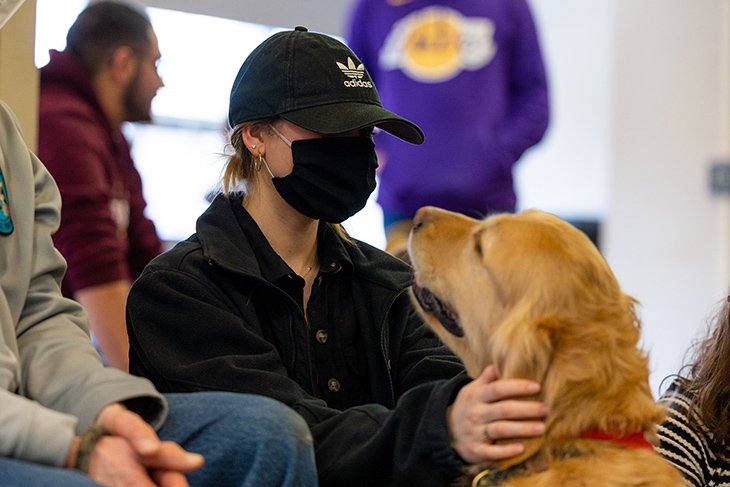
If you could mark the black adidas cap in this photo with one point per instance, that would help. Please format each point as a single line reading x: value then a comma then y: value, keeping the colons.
x: 313, y: 81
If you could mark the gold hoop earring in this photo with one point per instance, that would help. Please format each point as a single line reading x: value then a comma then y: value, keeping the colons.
x: 257, y: 162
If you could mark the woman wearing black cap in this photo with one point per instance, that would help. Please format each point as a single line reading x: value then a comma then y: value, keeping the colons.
x: 271, y: 296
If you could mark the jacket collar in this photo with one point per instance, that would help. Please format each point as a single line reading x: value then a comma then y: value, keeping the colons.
x: 223, y: 240
x: 225, y: 243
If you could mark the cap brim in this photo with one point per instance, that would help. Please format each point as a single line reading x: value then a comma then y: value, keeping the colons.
x: 341, y: 117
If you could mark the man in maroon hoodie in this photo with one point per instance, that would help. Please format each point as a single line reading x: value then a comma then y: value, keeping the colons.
x: 106, y: 75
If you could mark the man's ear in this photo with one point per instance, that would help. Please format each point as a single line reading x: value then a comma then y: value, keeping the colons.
x: 123, y: 65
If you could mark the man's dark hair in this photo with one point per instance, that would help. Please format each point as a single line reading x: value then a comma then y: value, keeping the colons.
x: 102, y: 28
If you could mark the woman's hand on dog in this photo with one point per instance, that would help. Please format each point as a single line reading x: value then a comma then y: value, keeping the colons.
x: 488, y: 413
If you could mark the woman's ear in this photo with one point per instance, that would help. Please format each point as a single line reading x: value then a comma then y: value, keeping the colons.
x: 253, y: 140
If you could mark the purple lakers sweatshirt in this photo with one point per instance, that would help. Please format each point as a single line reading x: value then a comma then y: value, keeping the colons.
x: 470, y: 73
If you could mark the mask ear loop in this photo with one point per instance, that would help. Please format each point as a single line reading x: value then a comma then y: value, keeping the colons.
x: 261, y: 157
x: 280, y: 135
x: 265, y: 164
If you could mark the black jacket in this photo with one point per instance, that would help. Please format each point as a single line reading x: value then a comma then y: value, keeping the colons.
x: 202, y: 317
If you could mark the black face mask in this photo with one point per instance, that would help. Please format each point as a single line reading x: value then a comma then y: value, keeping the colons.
x: 332, y: 177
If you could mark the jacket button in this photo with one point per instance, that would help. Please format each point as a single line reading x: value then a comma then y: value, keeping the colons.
x: 321, y: 336
x: 333, y: 385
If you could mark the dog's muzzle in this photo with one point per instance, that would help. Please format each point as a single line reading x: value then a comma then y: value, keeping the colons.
x: 433, y: 305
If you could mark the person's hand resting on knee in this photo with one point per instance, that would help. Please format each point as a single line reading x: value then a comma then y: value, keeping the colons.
x: 122, y: 449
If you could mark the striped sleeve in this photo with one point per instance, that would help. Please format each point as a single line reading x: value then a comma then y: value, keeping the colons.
x: 686, y: 444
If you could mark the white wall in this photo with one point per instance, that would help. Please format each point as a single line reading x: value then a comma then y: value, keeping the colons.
x: 665, y: 234
x: 567, y: 172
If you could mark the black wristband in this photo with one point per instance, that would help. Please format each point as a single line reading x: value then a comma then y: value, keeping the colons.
x: 88, y: 441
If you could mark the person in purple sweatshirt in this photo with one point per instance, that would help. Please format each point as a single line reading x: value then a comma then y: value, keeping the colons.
x: 471, y: 75
x: 106, y: 75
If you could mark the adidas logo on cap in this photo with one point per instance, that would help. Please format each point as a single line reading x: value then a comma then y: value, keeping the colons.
x: 355, y: 73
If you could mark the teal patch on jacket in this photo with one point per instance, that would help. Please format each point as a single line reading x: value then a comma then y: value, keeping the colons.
x: 6, y: 222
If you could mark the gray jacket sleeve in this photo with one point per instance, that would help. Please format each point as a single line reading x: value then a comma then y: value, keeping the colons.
x: 52, y: 382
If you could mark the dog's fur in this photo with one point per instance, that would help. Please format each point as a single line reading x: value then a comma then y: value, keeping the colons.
x: 535, y: 298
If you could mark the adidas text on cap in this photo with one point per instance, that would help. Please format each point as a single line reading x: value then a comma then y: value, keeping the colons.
x: 313, y: 81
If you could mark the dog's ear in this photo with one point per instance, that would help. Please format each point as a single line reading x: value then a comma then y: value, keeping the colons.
x: 522, y: 344
x: 522, y: 347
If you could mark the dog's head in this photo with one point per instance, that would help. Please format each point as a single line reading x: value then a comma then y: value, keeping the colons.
x: 528, y: 293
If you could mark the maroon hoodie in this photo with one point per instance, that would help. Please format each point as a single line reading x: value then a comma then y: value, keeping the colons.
x: 104, y: 234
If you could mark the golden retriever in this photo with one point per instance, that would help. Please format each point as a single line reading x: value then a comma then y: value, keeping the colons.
x: 532, y: 295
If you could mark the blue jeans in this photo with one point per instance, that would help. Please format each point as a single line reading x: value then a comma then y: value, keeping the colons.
x: 246, y: 440
x: 16, y: 473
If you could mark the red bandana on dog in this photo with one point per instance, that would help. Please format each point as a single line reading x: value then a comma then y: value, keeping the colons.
x: 635, y: 440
